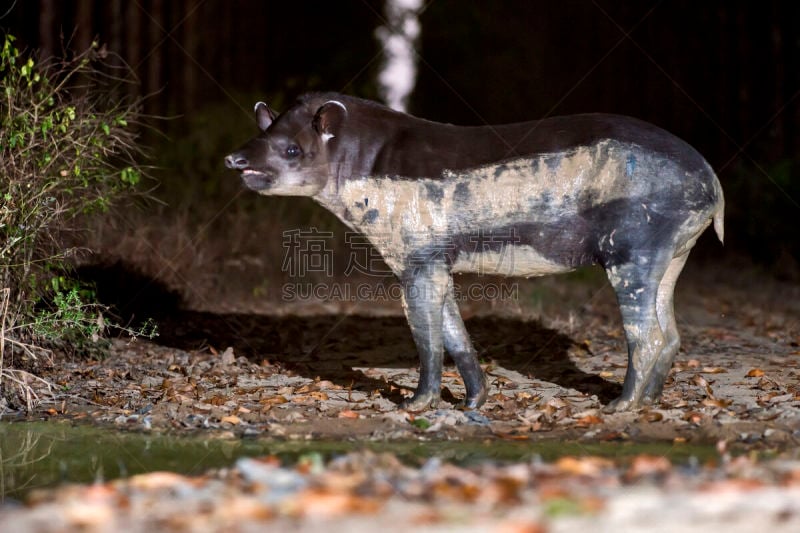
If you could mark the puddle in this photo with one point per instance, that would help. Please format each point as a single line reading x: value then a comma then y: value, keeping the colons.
x: 44, y: 454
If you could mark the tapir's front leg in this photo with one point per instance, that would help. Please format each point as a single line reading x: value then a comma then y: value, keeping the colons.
x: 459, y: 346
x: 424, y: 291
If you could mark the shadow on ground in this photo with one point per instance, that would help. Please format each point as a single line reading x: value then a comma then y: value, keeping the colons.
x: 331, y: 347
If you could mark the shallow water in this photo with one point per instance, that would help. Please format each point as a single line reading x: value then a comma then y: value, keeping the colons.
x: 44, y: 454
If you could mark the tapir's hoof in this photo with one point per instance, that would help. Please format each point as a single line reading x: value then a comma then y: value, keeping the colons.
x: 471, y: 403
x: 420, y: 402
x: 626, y: 404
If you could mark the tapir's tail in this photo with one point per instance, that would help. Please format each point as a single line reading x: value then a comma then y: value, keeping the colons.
x: 719, y: 213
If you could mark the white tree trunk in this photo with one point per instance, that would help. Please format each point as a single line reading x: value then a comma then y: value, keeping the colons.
x: 399, y: 37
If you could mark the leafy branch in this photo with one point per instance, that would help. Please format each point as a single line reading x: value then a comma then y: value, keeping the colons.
x: 68, y: 150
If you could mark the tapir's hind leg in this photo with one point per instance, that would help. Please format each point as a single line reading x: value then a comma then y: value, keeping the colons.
x: 666, y: 319
x: 637, y: 284
x: 459, y: 346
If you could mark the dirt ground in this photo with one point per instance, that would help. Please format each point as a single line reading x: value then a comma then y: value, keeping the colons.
x: 554, y: 357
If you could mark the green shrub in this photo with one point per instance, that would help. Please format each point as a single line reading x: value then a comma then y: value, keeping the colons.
x: 67, y: 151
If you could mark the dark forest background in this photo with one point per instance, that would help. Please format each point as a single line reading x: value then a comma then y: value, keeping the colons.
x: 724, y: 75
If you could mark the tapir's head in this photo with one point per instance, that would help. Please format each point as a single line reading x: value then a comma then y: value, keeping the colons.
x: 290, y: 155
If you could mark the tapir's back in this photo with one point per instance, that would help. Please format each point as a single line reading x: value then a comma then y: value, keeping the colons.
x: 566, y: 133
x: 416, y: 148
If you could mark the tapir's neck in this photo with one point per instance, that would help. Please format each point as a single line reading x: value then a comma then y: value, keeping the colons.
x: 329, y: 198
x: 405, y: 146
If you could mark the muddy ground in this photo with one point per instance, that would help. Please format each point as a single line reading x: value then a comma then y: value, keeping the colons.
x: 554, y: 355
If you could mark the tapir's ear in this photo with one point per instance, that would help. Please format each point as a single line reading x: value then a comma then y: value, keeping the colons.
x: 264, y: 115
x: 329, y: 118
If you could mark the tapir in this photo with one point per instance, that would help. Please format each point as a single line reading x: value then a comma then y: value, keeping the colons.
x: 524, y: 199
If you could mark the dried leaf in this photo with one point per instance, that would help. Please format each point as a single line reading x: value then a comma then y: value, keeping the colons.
x: 274, y: 400
x: 583, y: 466
x: 613, y: 436
x: 347, y: 413
x: 754, y: 373
x: 526, y: 399
x: 231, y: 419
x: 217, y: 400
x: 557, y: 402
x: 651, y: 416
x: 588, y: 420
x: 305, y: 389
x: 713, y: 402
x: 700, y: 381
x: 694, y: 417
x: 503, y: 382
x: 767, y: 384
x: 648, y: 465
x: 305, y: 399
x: 713, y: 370
x: 455, y: 489
x: 321, y: 503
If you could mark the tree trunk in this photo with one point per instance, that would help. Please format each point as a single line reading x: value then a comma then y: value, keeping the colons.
x: 83, y: 25
x: 133, y: 38
x: 47, y: 28
x: 153, y: 82
x: 190, y: 48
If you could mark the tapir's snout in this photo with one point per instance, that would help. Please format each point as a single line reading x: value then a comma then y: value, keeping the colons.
x: 236, y: 161
x: 256, y: 180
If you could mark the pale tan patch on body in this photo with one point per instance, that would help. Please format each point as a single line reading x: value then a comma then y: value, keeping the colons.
x: 499, y: 195
x: 597, y: 170
x: 517, y: 260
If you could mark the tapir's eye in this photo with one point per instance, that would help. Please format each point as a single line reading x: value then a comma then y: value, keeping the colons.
x: 293, y: 151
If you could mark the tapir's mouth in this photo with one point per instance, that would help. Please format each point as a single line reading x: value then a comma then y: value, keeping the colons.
x: 255, y: 179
